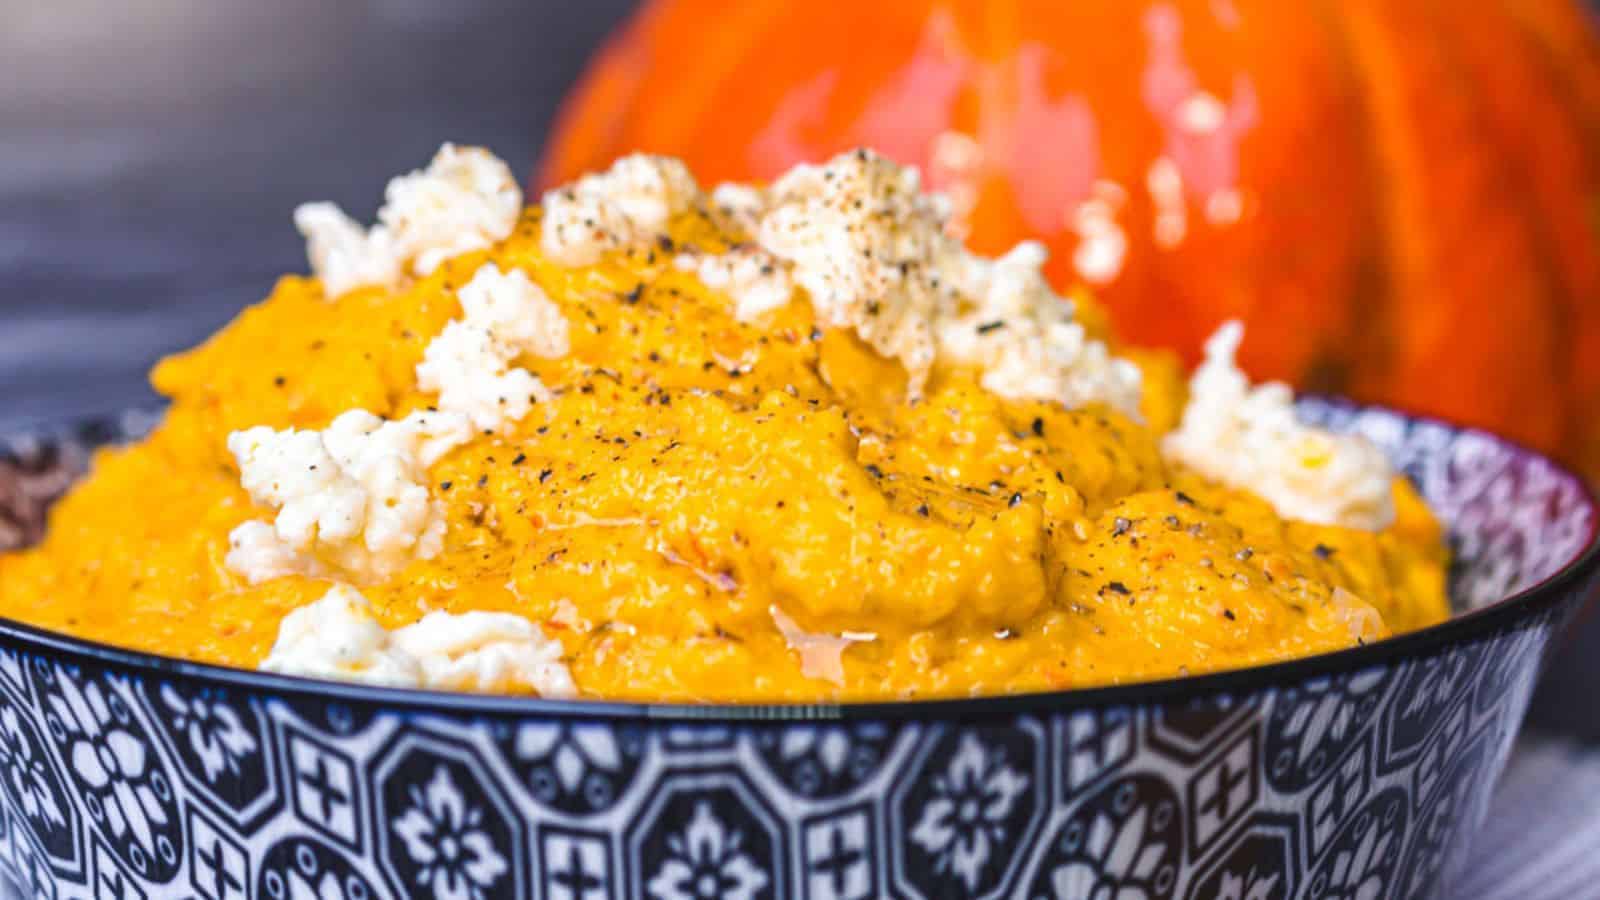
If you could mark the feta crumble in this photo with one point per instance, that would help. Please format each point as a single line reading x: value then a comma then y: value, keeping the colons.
x: 466, y: 199
x: 739, y: 205
x: 337, y: 637
x: 756, y: 281
x: 354, y: 499
x: 486, y: 651
x: 504, y: 315
x: 342, y: 253
x: 351, y: 499
x: 869, y: 248
x: 257, y: 552
x: 874, y: 254
x: 1249, y: 438
x: 1022, y: 336
x: 625, y: 206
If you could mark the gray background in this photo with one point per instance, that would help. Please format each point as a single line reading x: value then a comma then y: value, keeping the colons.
x: 151, y: 153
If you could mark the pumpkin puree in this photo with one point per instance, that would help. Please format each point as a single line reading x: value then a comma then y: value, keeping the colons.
x: 692, y: 472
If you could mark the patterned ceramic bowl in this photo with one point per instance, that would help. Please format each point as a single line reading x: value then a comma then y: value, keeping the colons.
x: 1357, y: 774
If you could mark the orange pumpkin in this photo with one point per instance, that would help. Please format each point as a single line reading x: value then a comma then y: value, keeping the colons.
x: 1402, y: 198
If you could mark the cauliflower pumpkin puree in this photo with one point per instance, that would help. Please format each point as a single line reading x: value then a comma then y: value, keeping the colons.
x: 702, y: 505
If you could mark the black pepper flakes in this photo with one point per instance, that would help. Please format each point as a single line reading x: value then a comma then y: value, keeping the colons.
x: 519, y: 459
x: 1244, y: 555
x: 633, y: 296
x: 1183, y: 498
x: 544, y: 475
x: 1323, y: 551
x: 1228, y: 614
x: 1015, y: 500
x: 874, y: 471
x: 446, y: 485
x: 1116, y: 587
x: 1038, y: 426
x: 922, y: 510
x: 1120, y: 527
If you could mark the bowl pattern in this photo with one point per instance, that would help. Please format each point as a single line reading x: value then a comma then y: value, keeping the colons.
x: 1361, y: 774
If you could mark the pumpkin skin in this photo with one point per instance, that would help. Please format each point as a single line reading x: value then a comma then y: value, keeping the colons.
x: 1402, y: 199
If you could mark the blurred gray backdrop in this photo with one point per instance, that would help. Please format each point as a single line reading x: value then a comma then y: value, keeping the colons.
x: 151, y: 153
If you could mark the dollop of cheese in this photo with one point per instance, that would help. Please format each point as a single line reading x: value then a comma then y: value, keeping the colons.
x: 739, y: 205
x: 504, y: 315
x: 628, y: 205
x: 256, y: 552
x: 874, y: 255
x: 757, y: 282
x: 1249, y: 438
x: 1014, y: 328
x: 466, y: 199
x: 342, y: 253
x: 352, y: 499
x: 338, y: 637
x: 486, y: 651
x: 869, y: 248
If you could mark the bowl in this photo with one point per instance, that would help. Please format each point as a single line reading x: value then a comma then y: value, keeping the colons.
x: 1362, y: 773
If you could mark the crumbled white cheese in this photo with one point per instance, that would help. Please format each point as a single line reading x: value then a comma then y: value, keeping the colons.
x: 874, y: 254
x: 626, y: 206
x: 337, y: 637
x: 342, y: 253
x: 756, y: 281
x: 1021, y: 335
x: 257, y: 552
x: 486, y: 651
x: 469, y: 364
x: 354, y: 498
x: 1250, y: 438
x: 739, y: 205
x: 466, y: 199
x: 515, y: 312
x: 821, y: 655
x: 869, y: 248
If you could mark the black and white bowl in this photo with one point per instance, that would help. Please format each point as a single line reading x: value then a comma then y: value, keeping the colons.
x: 1360, y: 774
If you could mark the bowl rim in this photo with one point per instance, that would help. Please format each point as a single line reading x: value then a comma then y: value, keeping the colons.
x: 1504, y: 614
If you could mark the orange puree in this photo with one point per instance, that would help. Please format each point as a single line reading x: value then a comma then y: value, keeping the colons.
x: 692, y: 472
